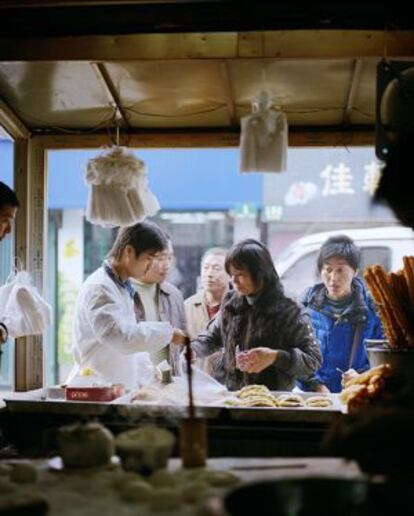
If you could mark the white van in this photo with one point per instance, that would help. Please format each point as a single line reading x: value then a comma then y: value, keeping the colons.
x: 296, y: 265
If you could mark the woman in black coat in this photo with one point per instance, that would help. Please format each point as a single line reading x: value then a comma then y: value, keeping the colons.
x: 260, y: 335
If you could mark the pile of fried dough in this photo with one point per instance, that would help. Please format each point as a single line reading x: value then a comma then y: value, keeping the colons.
x: 261, y: 396
x: 394, y: 296
x: 364, y: 388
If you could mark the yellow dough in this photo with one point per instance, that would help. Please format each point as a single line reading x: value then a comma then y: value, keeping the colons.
x: 259, y: 401
x: 290, y: 400
x: 85, y: 445
x: 23, y: 472
x: 145, y: 394
x: 253, y: 390
x: 137, y: 491
x: 319, y: 401
x: 166, y: 499
x: 219, y: 478
x: 195, y: 491
x: 163, y: 478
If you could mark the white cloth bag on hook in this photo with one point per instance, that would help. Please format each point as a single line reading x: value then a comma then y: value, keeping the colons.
x: 119, y: 194
x: 264, y: 138
x: 22, y: 309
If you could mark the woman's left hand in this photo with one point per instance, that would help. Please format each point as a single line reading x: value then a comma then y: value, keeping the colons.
x: 257, y: 359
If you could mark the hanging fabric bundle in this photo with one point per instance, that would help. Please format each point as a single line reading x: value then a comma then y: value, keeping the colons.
x: 264, y: 138
x: 119, y: 194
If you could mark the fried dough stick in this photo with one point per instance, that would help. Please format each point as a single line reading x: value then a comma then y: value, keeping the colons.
x: 388, y: 320
x: 408, y: 271
x: 381, y: 371
x: 402, y: 327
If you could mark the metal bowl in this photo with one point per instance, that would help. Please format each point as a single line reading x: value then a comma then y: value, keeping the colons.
x: 401, y: 360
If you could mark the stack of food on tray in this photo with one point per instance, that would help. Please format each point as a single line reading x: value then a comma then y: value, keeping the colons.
x: 365, y: 388
x: 261, y: 396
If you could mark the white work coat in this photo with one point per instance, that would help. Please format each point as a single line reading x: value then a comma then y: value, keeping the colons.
x: 106, y: 335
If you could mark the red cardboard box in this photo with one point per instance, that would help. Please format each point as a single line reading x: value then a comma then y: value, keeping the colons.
x: 95, y: 393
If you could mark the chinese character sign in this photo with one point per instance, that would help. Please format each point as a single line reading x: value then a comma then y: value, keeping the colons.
x: 338, y: 180
x: 328, y: 184
x: 371, y: 177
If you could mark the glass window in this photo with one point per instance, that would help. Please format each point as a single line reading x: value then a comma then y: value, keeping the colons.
x: 301, y: 275
x: 375, y: 255
x: 6, y: 259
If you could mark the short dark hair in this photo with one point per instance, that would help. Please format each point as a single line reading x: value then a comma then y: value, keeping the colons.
x: 341, y: 246
x: 143, y: 236
x: 7, y: 196
x: 254, y: 257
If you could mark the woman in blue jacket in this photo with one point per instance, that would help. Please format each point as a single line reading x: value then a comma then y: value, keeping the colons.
x: 342, y: 314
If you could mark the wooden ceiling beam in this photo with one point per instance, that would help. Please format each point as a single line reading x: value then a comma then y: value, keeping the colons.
x: 306, y: 137
x: 352, y: 91
x: 11, y: 123
x: 111, y: 92
x: 293, y: 44
x: 228, y: 93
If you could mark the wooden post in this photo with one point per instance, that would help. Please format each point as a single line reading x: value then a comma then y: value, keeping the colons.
x: 31, y: 231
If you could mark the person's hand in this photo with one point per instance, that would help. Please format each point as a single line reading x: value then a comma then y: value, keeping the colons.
x: 348, y: 375
x: 193, y: 356
x: 179, y: 338
x: 256, y: 360
x: 321, y: 388
x: 3, y: 334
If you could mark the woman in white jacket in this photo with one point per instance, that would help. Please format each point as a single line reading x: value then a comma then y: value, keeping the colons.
x: 107, y: 337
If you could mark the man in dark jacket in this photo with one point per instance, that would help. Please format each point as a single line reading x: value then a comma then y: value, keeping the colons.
x: 8, y: 210
x: 342, y: 314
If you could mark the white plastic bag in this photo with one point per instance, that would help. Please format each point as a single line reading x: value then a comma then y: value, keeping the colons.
x: 145, y: 369
x: 207, y: 391
x: 22, y: 309
x: 263, y: 138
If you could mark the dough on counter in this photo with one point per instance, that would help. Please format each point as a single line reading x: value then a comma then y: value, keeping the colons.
x: 253, y: 390
x: 5, y: 469
x: 166, y: 499
x: 219, y: 478
x: 6, y: 486
x: 23, y: 472
x: 137, y: 491
x: 145, y: 394
x: 259, y: 401
x: 23, y: 503
x: 163, y: 478
x: 319, y: 401
x: 85, y: 445
x: 145, y: 449
x: 123, y: 477
x: 195, y: 491
x: 290, y: 400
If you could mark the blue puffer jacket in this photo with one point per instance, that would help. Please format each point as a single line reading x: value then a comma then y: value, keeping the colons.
x: 336, y: 335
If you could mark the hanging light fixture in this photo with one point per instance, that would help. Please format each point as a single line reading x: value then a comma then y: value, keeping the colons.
x: 264, y: 138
